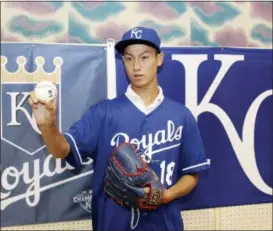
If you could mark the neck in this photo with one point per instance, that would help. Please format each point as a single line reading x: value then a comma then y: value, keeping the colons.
x: 147, y: 93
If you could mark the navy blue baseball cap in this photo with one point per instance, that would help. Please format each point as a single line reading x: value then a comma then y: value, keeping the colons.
x: 139, y: 35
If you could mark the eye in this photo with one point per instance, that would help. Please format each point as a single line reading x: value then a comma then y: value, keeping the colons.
x: 128, y: 59
x: 144, y: 57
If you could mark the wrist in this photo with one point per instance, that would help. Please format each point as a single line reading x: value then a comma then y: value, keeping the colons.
x: 167, y: 196
x: 47, y: 126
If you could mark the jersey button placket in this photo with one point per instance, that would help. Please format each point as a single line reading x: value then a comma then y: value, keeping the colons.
x: 145, y: 122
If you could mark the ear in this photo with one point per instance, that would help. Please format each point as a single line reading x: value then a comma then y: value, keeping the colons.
x: 160, y: 59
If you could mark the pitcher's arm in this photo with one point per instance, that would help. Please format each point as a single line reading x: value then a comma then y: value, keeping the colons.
x: 55, y: 142
x: 182, y: 187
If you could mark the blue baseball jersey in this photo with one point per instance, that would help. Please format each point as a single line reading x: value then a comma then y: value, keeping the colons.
x: 168, y: 136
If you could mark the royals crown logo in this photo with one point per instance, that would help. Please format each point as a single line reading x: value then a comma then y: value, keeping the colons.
x: 18, y: 125
x: 22, y: 76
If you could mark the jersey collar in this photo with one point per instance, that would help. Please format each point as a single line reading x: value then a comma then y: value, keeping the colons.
x: 138, y: 102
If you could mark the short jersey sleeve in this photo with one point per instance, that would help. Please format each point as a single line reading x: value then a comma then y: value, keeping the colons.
x: 84, y: 134
x: 193, y: 154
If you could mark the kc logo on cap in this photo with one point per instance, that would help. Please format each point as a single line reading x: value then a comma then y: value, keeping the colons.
x: 139, y: 35
x: 136, y: 33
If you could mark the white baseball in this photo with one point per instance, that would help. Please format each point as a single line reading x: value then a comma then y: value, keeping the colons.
x: 45, y: 91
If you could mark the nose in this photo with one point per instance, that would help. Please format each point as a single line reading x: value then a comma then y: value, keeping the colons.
x: 136, y: 65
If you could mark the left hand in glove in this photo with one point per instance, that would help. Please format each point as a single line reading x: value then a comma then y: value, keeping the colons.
x: 128, y: 180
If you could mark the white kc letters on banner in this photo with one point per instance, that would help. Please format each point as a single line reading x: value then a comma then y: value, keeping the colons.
x: 244, y: 149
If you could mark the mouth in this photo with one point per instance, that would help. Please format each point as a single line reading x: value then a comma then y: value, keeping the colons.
x: 137, y: 76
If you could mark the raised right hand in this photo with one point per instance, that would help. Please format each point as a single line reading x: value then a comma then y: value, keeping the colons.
x: 44, y: 113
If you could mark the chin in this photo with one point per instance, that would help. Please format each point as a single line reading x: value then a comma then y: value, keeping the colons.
x: 139, y: 84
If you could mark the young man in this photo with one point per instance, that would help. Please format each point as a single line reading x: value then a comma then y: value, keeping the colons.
x: 164, y: 129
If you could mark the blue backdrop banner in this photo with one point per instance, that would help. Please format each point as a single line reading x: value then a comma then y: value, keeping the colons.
x: 228, y: 90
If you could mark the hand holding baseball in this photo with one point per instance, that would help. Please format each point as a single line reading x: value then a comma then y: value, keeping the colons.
x: 43, y: 102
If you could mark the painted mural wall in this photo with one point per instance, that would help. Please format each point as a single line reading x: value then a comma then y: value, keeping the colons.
x: 236, y: 24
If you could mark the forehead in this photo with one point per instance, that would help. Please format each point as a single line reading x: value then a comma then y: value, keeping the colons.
x: 136, y: 49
